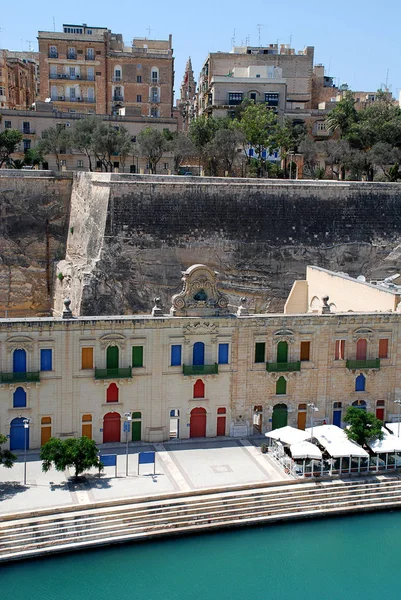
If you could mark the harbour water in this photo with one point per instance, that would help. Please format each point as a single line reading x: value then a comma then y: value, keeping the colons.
x: 355, y: 558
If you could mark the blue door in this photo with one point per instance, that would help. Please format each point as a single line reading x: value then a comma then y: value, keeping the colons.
x: 17, y: 434
x: 19, y: 361
x: 199, y: 354
x: 337, y: 417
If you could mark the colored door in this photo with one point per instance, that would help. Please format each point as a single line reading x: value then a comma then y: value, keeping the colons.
x: 361, y: 349
x: 18, y: 433
x: 280, y: 416
x: 301, y: 419
x: 282, y: 352
x: 45, y: 430
x: 136, y: 426
x: 19, y: 361
x: 197, y: 427
x: 199, y: 354
x: 112, y: 357
x: 111, y: 427
x: 337, y: 417
x: 221, y: 425
x: 380, y: 413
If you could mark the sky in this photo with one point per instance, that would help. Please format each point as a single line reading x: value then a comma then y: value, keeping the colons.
x: 356, y: 40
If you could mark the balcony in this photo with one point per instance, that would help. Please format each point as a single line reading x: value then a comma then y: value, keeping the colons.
x: 200, y: 369
x: 53, y: 55
x: 28, y: 131
x: 80, y: 99
x: 123, y: 373
x: 116, y: 78
x: 89, y: 57
x: 154, y: 99
x: 283, y: 367
x: 79, y: 77
x: 25, y: 377
x: 118, y: 98
x: 363, y: 364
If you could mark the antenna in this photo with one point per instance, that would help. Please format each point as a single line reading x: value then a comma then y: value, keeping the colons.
x: 29, y: 42
x: 290, y: 39
x: 259, y: 26
x: 329, y: 69
x: 247, y: 40
x: 233, y: 40
x: 54, y: 23
x: 387, y: 80
x: 148, y: 29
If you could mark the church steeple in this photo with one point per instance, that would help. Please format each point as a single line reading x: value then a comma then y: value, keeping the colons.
x: 188, y: 83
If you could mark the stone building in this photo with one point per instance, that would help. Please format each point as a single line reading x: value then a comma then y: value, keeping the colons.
x: 199, y: 370
x: 89, y: 69
x: 18, y: 76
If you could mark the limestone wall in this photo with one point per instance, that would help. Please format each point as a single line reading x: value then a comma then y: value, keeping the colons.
x: 34, y: 212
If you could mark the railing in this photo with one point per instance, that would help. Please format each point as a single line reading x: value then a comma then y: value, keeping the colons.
x: 20, y: 377
x: 53, y: 55
x: 283, y: 367
x: 123, y: 373
x: 154, y: 99
x: 116, y: 78
x: 74, y: 77
x: 28, y: 131
x: 363, y: 364
x: 71, y: 57
x: 89, y: 57
x: 200, y: 369
x: 118, y: 98
x: 89, y: 100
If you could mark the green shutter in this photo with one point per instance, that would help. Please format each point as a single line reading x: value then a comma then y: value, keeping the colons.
x: 282, y: 352
x: 112, y: 357
x: 281, y: 386
x: 137, y: 356
x: 260, y: 352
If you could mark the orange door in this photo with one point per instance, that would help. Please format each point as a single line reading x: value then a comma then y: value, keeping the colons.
x: 301, y: 419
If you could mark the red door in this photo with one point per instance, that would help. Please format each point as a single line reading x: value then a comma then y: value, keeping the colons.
x: 197, y: 426
x: 111, y: 427
x: 221, y: 421
x: 380, y: 413
x: 361, y: 349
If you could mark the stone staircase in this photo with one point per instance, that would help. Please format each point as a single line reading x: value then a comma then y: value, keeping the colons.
x: 45, y: 532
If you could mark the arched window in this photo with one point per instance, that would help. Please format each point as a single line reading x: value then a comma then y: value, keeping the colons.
x: 19, y: 361
x: 117, y: 73
x: 198, y: 354
x: 281, y: 386
x: 19, y: 398
x: 112, y: 393
x: 154, y: 75
x: 359, y: 404
x: 360, y: 383
x: 361, y: 349
x: 199, y: 389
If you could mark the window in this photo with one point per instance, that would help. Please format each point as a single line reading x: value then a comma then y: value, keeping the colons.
x: 72, y: 94
x: 260, y: 348
x: 7, y: 124
x: 19, y: 398
x: 2, y: 90
x: 305, y: 350
x: 198, y: 353
x: 223, y: 354
x: 139, y: 98
x: 320, y: 126
x: 154, y: 112
x: 139, y: 78
x: 234, y: 98
x: 271, y: 99
x: 53, y: 52
x: 26, y: 127
x: 340, y: 350
x: 90, y: 73
x: 281, y: 386
x: 199, y: 389
x: 72, y: 72
x: 117, y: 74
x: 360, y: 383
x: 87, y: 358
x: 383, y: 348
x: 137, y: 356
x: 46, y: 360
x: 91, y: 94
x: 176, y: 355
x: 252, y: 96
x: 27, y: 145
x: 90, y: 54
x: 87, y: 426
x: 155, y: 75
x: 71, y: 53
x: 165, y: 166
x: 80, y: 164
x: 112, y: 393
x: 63, y: 163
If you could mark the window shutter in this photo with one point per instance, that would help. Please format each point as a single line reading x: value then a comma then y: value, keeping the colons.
x: 176, y: 355
x: 45, y: 360
x: 305, y: 350
x: 383, y: 348
x: 137, y: 356
x: 223, y: 354
x: 260, y: 352
x: 87, y: 358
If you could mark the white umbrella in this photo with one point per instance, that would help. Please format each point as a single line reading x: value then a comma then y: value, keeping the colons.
x: 305, y: 450
x: 288, y: 435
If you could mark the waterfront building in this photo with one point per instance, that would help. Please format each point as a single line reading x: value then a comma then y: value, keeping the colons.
x: 18, y: 79
x: 202, y: 369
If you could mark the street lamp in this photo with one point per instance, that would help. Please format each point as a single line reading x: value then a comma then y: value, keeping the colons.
x: 128, y: 419
x: 314, y: 409
x: 26, y: 427
x: 399, y: 414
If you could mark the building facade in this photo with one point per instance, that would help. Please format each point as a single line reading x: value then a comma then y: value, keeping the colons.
x: 89, y: 69
x: 199, y: 370
x: 18, y: 80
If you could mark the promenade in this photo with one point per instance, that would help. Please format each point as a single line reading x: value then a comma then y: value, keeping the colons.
x: 181, y: 466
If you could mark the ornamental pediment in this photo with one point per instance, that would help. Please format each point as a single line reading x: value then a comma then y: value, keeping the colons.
x: 113, y: 339
x: 200, y: 295
x: 21, y: 342
x: 362, y: 332
x: 200, y: 327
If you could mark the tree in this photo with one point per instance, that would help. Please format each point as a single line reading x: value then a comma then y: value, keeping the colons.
x: 9, y: 140
x: 385, y: 155
x: 362, y: 425
x: 336, y: 153
x: 80, y: 453
x: 259, y: 126
x: 289, y: 136
x: 343, y: 116
x: 55, y: 141
x: 151, y: 145
x: 82, y: 136
x: 7, y: 458
x: 223, y: 149
x: 309, y: 150
x: 182, y: 148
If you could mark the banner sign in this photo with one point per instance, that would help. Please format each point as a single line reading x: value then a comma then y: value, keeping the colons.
x: 146, y: 458
x: 109, y: 460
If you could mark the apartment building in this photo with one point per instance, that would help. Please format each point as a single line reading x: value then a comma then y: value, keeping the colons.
x: 90, y: 70
x: 18, y: 76
x: 196, y: 370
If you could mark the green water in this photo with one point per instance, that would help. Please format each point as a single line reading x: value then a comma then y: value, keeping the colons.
x: 351, y: 558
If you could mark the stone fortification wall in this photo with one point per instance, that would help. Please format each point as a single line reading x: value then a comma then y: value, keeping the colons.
x: 260, y: 235
x: 34, y: 213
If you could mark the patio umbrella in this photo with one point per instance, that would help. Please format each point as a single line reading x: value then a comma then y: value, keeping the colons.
x: 305, y: 450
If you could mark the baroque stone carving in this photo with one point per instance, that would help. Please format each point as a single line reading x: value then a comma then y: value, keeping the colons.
x: 19, y: 343
x: 363, y: 333
x: 200, y: 327
x: 113, y: 339
x: 200, y: 295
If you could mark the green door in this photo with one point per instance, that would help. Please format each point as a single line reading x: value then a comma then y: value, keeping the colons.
x: 282, y: 352
x: 280, y: 414
x: 112, y: 357
x: 136, y: 426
